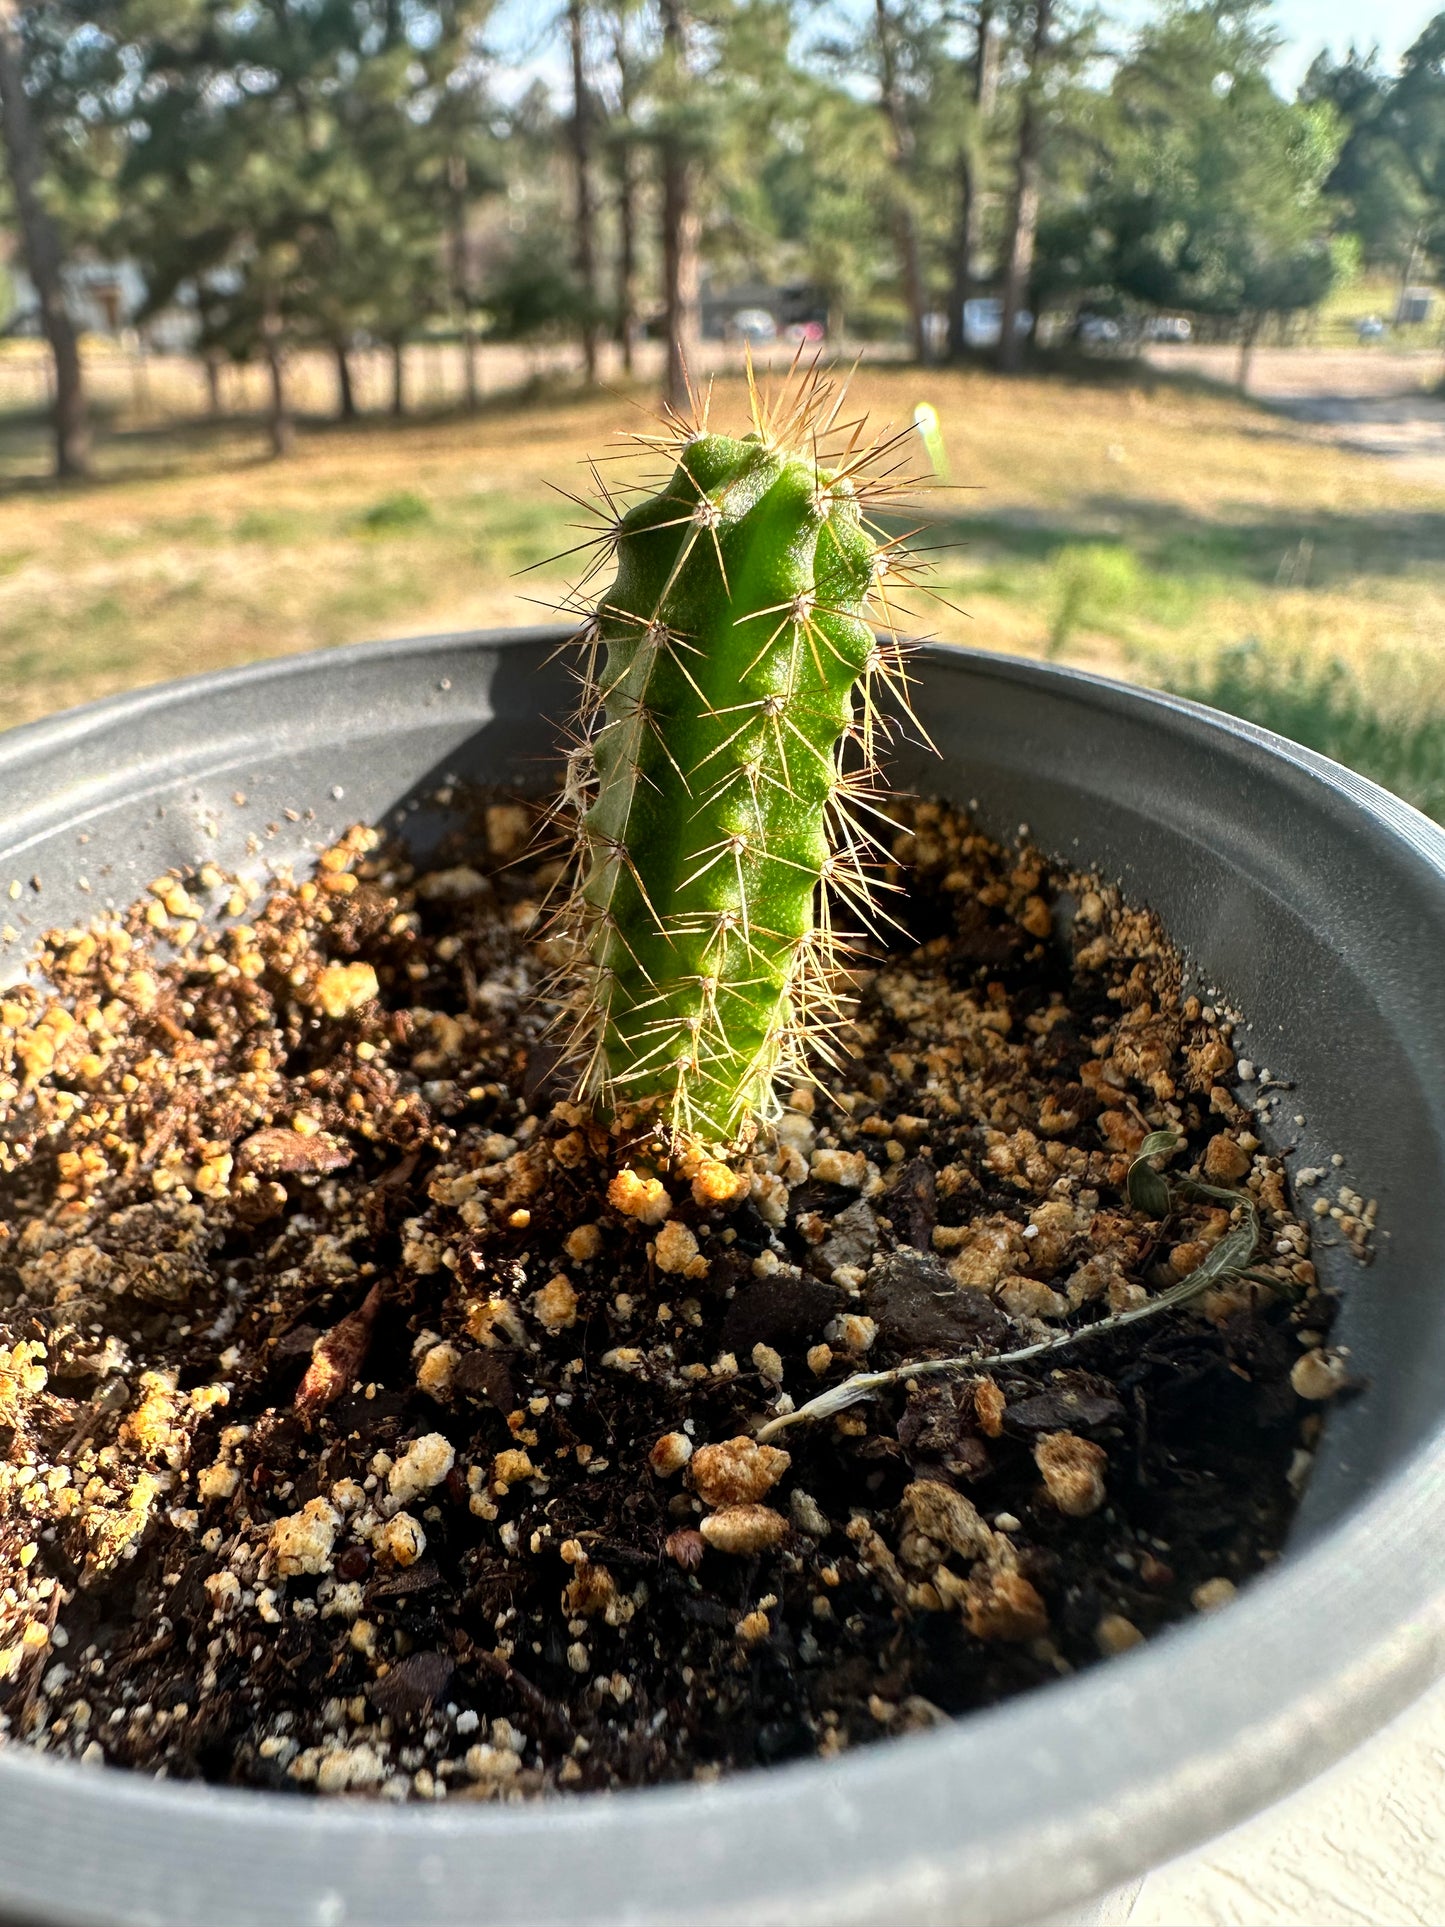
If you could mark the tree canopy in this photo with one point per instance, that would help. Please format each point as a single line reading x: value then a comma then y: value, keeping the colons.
x: 337, y: 171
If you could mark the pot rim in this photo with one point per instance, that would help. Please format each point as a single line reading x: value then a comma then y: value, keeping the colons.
x: 27, y: 744
x: 1011, y: 1812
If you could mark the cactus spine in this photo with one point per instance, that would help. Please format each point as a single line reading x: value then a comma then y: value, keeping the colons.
x: 730, y: 671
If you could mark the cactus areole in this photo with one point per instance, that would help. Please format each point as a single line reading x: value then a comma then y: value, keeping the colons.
x: 727, y: 729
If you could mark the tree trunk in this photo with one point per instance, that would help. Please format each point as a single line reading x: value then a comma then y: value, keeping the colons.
x: 461, y: 276
x: 1018, y: 265
x: 679, y: 223
x: 1407, y: 272
x: 1253, y: 322
x: 626, y: 259
x: 982, y: 88
x: 279, y: 424
x: 141, y: 382
x: 345, y: 387
x: 585, y: 251
x: 904, y: 226
x: 398, y: 378
x: 622, y: 154
x: 42, y: 251
x: 964, y: 249
x: 212, y: 365
x: 1019, y: 256
x: 469, y: 364
x: 679, y: 278
x: 905, y: 235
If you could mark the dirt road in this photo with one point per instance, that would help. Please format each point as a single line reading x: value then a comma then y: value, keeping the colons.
x: 1373, y: 400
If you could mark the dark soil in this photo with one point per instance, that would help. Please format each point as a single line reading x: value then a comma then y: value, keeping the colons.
x: 371, y: 1419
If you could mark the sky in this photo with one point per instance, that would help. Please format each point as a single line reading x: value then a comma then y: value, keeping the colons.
x: 1307, y: 25
x: 528, y: 43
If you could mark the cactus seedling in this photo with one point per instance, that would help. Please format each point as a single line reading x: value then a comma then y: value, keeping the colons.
x: 726, y: 733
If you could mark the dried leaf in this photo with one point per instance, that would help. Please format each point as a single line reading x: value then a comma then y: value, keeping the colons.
x: 1147, y: 1188
x: 277, y: 1149
x: 407, y: 1580
x: 413, y: 1686
x: 337, y: 1357
x: 1158, y: 1142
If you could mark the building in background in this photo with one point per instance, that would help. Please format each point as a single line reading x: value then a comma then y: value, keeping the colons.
x: 105, y: 298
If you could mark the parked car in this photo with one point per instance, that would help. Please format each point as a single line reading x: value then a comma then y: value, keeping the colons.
x: 1168, y: 327
x: 983, y: 322
x: 754, y: 324
x: 1370, y: 328
x: 1097, y: 331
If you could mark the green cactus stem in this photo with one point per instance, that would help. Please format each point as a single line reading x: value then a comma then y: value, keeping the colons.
x: 736, y: 653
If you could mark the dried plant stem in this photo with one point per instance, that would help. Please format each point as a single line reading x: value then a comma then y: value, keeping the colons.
x: 1229, y: 1259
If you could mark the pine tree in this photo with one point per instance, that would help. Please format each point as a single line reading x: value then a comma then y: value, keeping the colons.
x: 622, y: 138
x: 1415, y: 118
x: 30, y: 170
x: 978, y: 81
x: 677, y: 166
x: 1208, y: 191
x: 1037, y: 32
x: 585, y: 214
x: 902, y: 218
x: 297, y: 166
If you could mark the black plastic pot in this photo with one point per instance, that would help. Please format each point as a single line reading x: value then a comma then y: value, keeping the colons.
x: 1310, y: 898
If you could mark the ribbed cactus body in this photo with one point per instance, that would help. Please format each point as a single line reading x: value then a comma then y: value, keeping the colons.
x: 733, y: 646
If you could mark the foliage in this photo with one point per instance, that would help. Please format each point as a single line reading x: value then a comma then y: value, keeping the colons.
x: 1208, y: 196
x: 1373, y: 190
x: 284, y: 164
x: 75, y: 76
x: 1095, y: 580
x: 532, y: 291
x: 808, y: 216
x: 396, y: 513
x: 337, y: 171
x: 1415, y: 116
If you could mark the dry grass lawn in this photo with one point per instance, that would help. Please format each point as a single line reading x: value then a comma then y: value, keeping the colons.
x: 1131, y: 523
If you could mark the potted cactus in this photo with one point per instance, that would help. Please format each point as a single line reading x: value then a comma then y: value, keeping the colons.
x: 730, y: 664
x: 834, y: 1342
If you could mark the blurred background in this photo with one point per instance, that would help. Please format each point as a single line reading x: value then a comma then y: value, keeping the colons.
x: 308, y: 307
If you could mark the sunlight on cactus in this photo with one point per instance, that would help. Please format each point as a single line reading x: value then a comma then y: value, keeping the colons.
x: 725, y: 749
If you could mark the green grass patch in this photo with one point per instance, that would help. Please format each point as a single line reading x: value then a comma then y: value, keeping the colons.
x: 1096, y: 586
x: 518, y: 535
x: 1321, y: 705
x: 369, y: 605
x: 396, y: 514
x: 1266, y: 549
x: 1083, y: 588
x: 270, y: 526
